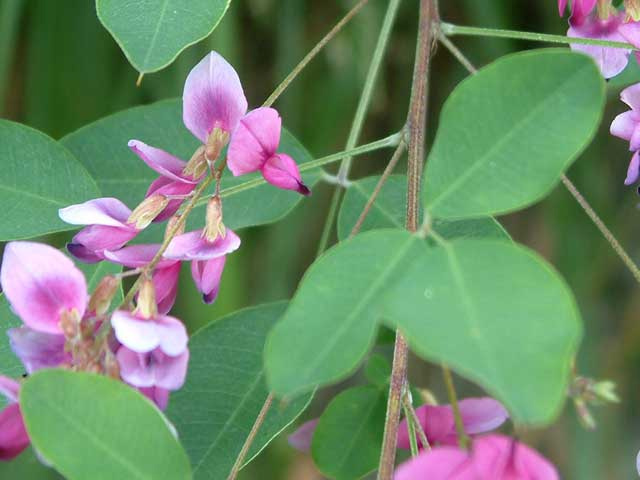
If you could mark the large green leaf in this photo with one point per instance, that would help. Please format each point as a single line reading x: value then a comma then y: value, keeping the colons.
x: 39, y: 176
x: 225, y: 390
x: 152, y: 33
x: 102, y: 147
x: 486, y: 307
x: 348, y: 438
x: 389, y: 211
x: 507, y: 133
x: 91, y: 426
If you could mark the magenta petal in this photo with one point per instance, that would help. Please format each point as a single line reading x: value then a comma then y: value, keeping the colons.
x: 631, y: 33
x: 624, y: 125
x: 480, y: 415
x: 159, y: 396
x: 9, y: 388
x: 281, y: 171
x: 162, y: 162
x: 170, y: 372
x: 101, y: 211
x: 633, y: 172
x: 193, y: 246
x: 437, y: 422
x: 37, y: 350
x: 562, y: 5
x: 165, y: 281
x: 90, y: 243
x: 443, y: 463
x: 40, y: 283
x: 254, y: 141
x: 212, y: 97
x: 301, y: 438
x: 135, y: 256
x: 13, y: 434
x: 207, y: 275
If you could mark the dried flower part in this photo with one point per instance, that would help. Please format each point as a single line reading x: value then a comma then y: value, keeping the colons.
x: 148, y: 210
x: 70, y: 324
x: 216, y: 141
x: 171, y: 224
x: 147, y: 306
x: 214, y: 227
x: 197, y: 165
x: 102, y: 296
x: 632, y: 7
x: 111, y: 366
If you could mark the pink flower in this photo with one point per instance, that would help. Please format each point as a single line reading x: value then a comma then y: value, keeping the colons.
x: 254, y: 146
x: 42, y: 284
x: 580, y: 9
x: 493, y: 457
x: 302, y: 437
x: 165, y: 275
x: 479, y: 415
x: 631, y: 33
x: 144, y: 335
x: 627, y: 126
x: 13, y: 434
x: 208, y: 258
x: 611, y: 60
x: 38, y: 350
x: 158, y: 395
x: 108, y: 227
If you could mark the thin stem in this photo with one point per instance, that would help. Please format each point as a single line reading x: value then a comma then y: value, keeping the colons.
x: 463, y: 439
x: 314, y: 51
x: 450, y: 29
x: 328, y: 222
x: 397, y: 155
x: 456, y: 52
x: 413, y: 443
x: 416, y: 126
x: 413, y: 419
x: 606, y: 233
x: 251, y: 437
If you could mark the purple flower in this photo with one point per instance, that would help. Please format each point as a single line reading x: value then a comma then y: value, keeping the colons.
x: 108, y: 227
x: 580, y: 9
x: 302, y: 437
x: 493, y: 457
x: 627, y: 126
x: 13, y: 434
x: 144, y: 335
x: 254, y: 146
x: 38, y: 350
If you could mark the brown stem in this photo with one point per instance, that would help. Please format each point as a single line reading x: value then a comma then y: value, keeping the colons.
x: 416, y: 125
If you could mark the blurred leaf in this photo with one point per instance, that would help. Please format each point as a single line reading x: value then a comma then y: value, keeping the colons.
x: 389, y: 211
x: 39, y: 176
x: 347, y: 441
x: 102, y: 147
x: 109, y: 429
x: 378, y: 370
x: 489, y: 309
x: 225, y: 390
x: 152, y: 33
x: 507, y: 133
x: 10, y: 13
x: 26, y: 466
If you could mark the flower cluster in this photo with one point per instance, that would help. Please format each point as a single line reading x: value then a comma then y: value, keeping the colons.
x: 138, y: 342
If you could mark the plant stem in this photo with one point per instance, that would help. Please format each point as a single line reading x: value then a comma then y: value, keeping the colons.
x: 416, y: 126
x: 336, y: 196
x: 314, y: 51
x: 463, y: 439
x: 251, y: 437
x: 413, y: 418
x: 376, y: 191
x: 449, y: 29
x: 413, y: 443
x: 455, y: 51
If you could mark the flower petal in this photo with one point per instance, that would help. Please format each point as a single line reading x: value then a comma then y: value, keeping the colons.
x: 139, y: 335
x: 165, y: 281
x: 212, y: 96
x: 90, y: 243
x: 37, y: 350
x: 164, y: 186
x: 135, y: 256
x: 193, y: 246
x: 633, y: 172
x: 281, y: 171
x: 207, y: 275
x: 40, y: 283
x: 159, y: 396
x: 301, y: 438
x: 134, y: 368
x: 172, y: 334
x: 443, y: 463
x: 13, y: 434
x: 10, y: 388
x: 481, y: 415
x: 254, y: 141
x: 162, y: 162
x: 437, y: 422
x: 170, y: 372
x: 624, y: 125
x: 101, y: 211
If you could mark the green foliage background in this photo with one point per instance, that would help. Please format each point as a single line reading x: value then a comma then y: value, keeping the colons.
x: 59, y: 70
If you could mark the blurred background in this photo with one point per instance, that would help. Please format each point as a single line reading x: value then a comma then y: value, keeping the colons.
x: 60, y: 69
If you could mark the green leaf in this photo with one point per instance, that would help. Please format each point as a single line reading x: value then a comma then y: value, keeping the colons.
x: 152, y: 33
x: 389, y: 211
x: 347, y: 441
x: 91, y: 426
x: 498, y: 314
x: 102, y: 147
x: 225, y: 390
x: 507, y: 133
x: 94, y: 272
x: 39, y: 177
x: 378, y: 370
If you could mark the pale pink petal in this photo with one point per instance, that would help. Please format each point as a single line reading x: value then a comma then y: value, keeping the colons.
x: 631, y: 96
x: 580, y: 10
x: 634, y: 142
x: 165, y: 281
x: 437, y: 422
x: 170, y: 372
x: 302, y: 437
x: 135, y: 256
x: 625, y: 124
x: 10, y: 388
x: 90, y: 243
x: 442, y: 463
x: 212, y: 96
x: 13, y: 434
x: 37, y: 350
x: 160, y: 161
x: 101, y: 211
x: 631, y: 33
x: 40, y: 283
x: 139, y: 335
x: 207, y: 275
x: 193, y: 246
x: 172, y: 335
x: 281, y: 171
x: 134, y: 368
x: 480, y: 415
x: 254, y: 141
x: 633, y: 172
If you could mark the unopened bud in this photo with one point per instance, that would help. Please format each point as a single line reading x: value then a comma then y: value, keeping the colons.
x: 214, y: 227
x: 584, y: 414
x: 632, y: 7
x: 197, y: 165
x: 103, y: 294
x: 147, y: 306
x: 171, y: 224
x: 216, y: 141
x: 604, y: 392
x: 148, y: 210
x: 428, y: 398
x: 70, y: 323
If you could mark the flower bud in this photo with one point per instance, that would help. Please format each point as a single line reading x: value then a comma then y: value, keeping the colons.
x: 197, y: 165
x: 103, y: 294
x: 171, y: 225
x: 147, y: 306
x: 604, y: 392
x: 148, y: 210
x: 214, y: 227
x: 70, y: 323
x: 632, y: 7
x: 216, y: 141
